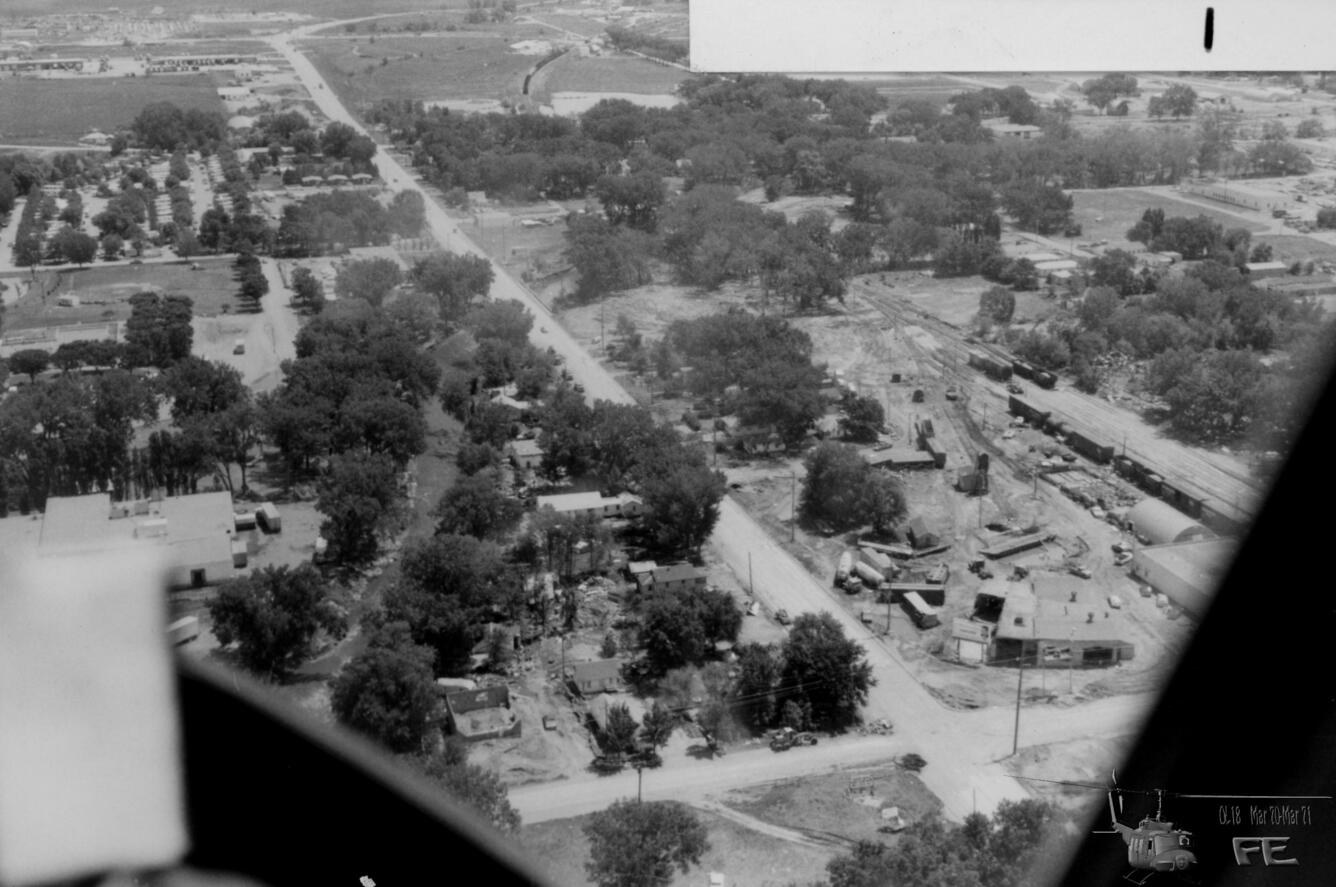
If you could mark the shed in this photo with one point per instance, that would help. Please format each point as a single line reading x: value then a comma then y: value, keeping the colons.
x: 243, y: 520
x: 1266, y: 269
x: 268, y: 518
x: 240, y: 554
x: 1161, y: 523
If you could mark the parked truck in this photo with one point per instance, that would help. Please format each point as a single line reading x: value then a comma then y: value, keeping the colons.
x: 873, y: 577
x: 844, y: 567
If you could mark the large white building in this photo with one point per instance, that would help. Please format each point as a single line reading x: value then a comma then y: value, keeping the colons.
x: 197, y: 533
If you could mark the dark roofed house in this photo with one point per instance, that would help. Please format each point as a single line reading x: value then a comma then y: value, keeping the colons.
x: 480, y: 714
x: 675, y: 577
x: 917, y: 533
x: 600, y: 676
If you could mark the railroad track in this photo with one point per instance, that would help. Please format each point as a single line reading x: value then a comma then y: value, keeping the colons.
x: 1231, y: 488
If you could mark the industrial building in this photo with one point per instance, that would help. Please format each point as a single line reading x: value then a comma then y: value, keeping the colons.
x: 1047, y: 622
x: 1186, y: 572
x: 1161, y: 524
x: 198, y: 533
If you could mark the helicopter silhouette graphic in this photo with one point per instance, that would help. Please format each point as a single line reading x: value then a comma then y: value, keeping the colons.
x: 1155, y: 846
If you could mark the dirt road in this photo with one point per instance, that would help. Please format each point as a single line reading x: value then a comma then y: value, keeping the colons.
x: 698, y: 781
x: 964, y: 779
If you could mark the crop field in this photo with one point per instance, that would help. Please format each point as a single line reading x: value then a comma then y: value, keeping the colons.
x: 59, y: 111
x: 1107, y: 215
x: 463, y: 64
x: 105, y: 292
x: 572, y: 73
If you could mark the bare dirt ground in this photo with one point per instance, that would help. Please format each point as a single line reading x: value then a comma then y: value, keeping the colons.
x: 747, y: 858
x: 842, y: 808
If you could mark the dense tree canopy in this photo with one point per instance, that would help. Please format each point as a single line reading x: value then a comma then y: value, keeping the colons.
x: 276, y: 616
x: 633, y: 844
x: 386, y: 692
x: 825, y: 670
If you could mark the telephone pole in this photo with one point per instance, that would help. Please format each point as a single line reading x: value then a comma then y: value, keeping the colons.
x: 1020, y: 675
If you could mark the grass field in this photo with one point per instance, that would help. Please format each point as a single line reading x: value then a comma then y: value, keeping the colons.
x: 57, y: 111
x: 746, y: 858
x: 1107, y: 215
x: 211, y: 288
x: 465, y: 64
x: 572, y: 73
x: 577, y: 24
x: 1297, y: 248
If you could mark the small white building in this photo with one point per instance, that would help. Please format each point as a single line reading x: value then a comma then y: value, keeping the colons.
x: 593, y: 503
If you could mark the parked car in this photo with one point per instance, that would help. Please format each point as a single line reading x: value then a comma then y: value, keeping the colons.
x: 1083, y: 572
x: 1121, y: 558
x: 1115, y: 602
x: 952, y: 393
x: 782, y: 617
x: 1014, y: 388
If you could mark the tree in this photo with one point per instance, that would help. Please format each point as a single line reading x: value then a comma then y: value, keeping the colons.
x: 633, y: 844
x: 369, y: 279
x: 682, y: 506
x: 478, y: 789
x: 1178, y: 100
x: 863, y: 419
x: 197, y: 386
x: 70, y: 245
x: 386, y: 692
x: 359, y: 499
x: 1116, y: 268
x: 632, y: 200
x: 658, y: 725
x: 29, y: 362
x: 618, y: 736
x: 275, y: 616
x: 1098, y: 307
x: 833, y: 490
x: 606, y: 258
x: 1309, y: 129
x: 681, y: 629
x: 1038, y: 207
x: 886, y: 505
x: 455, y: 280
x: 759, y: 672
x: 474, y: 506
x: 112, y: 244
x: 308, y: 293
x: 825, y: 669
x: 998, y: 304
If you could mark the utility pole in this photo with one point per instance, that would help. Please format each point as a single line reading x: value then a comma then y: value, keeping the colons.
x: 751, y: 586
x: 793, y: 505
x: 1071, y: 659
x: 1020, y: 675
x: 640, y: 781
x: 602, y: 345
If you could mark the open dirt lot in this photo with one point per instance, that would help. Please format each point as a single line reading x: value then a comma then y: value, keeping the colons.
x: 746, y: 858
x: 70, y: 107
x: 843, y: 807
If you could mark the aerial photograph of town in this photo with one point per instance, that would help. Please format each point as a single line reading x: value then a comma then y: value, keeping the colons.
x: 727, y: 480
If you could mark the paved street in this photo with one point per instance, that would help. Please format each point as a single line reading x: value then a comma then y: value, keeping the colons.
x: 960, y: 746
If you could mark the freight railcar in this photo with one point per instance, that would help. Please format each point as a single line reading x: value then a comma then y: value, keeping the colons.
x: 994, y: 367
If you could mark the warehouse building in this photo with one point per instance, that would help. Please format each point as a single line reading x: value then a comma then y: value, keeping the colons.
x: 1050, y: 622
x: 1188, y: 573
x: 593, y: 504
x: 1161, y: 523
x: 198, y: 533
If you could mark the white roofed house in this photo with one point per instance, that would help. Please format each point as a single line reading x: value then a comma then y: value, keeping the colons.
x: 593, y: 503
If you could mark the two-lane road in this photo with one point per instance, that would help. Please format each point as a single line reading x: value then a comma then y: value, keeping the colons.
x: 961, y: 746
